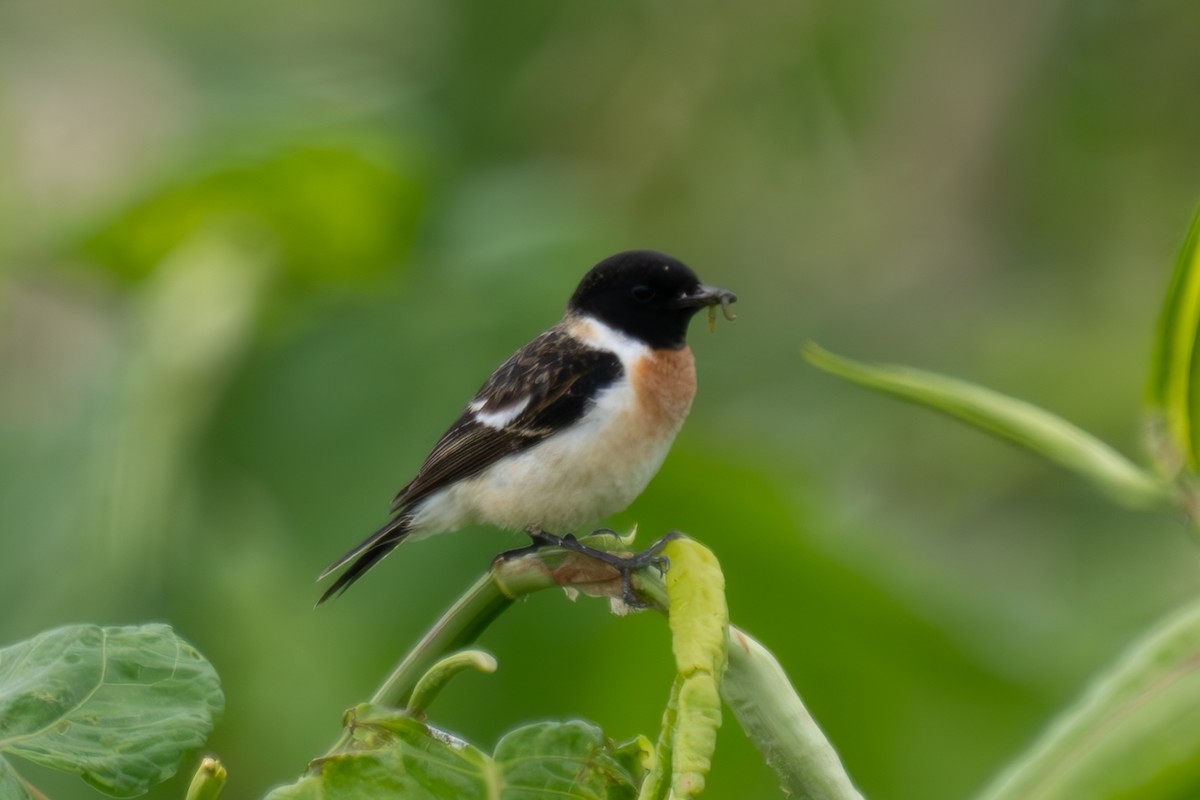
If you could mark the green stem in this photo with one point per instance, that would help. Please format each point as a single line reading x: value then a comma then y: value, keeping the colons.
x: 433, y: 681
x: 460, y: 626
x: 490, y: 596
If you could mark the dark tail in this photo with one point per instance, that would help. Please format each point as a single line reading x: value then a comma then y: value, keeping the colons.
x: 373, y: 548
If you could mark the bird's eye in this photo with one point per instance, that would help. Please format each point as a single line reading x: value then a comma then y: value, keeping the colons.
x: 642, y: 293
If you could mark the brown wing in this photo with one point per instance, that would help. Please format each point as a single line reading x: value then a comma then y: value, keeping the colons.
x: 557, y: 378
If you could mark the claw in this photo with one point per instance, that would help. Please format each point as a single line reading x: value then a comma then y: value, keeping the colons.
x: 624, y: 565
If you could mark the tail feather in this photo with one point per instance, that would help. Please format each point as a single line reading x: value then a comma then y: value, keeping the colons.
x: 365, y: 555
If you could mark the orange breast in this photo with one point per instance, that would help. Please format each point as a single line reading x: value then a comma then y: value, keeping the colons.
x: 664, y: 383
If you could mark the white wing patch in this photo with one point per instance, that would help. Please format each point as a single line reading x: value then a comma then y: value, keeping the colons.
x: 499, y: 418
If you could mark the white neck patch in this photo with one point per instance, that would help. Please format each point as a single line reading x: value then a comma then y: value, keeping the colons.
x: 596, y: 334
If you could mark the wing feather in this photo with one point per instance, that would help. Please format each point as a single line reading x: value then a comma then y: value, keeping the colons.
x: 556, y: 376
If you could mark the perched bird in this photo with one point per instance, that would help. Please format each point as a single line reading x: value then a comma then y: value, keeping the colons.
x: 572, y: 427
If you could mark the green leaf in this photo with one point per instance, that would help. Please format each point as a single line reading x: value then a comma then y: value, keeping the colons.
x: 1173, y: 391
x: 394, y: 755
x: 776, y: 720
x: 1135, y: 733
x: 1008, y: 418
x: 566, y: 759
x: 119, y: 706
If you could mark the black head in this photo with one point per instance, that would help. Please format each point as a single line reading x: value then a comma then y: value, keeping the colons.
x: 647, y: 295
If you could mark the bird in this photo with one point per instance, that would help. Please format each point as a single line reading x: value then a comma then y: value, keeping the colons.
x: 572, y: 427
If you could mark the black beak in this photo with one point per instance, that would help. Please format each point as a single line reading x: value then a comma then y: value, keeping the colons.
x: 707, y: 296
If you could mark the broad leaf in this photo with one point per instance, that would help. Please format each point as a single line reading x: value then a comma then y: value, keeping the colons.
x: 1008, y: 418
x: 394, y: 755
x: 1135, y: 733
x: 566, y: 759
x: 119, y: 706
x: 1173, y: 391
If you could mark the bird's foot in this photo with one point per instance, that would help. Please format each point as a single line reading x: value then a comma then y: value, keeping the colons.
x: 624, y: 565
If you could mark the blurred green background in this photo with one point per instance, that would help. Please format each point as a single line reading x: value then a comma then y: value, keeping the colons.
x: 255, y: 256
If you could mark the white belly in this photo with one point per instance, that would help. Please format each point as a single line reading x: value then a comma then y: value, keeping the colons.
x: 582, y: 475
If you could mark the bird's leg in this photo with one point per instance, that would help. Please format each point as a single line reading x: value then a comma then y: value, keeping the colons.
x: 648, y: 557
x: 624, y: 565
x: 540, y: 539
x: 543, y: 538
